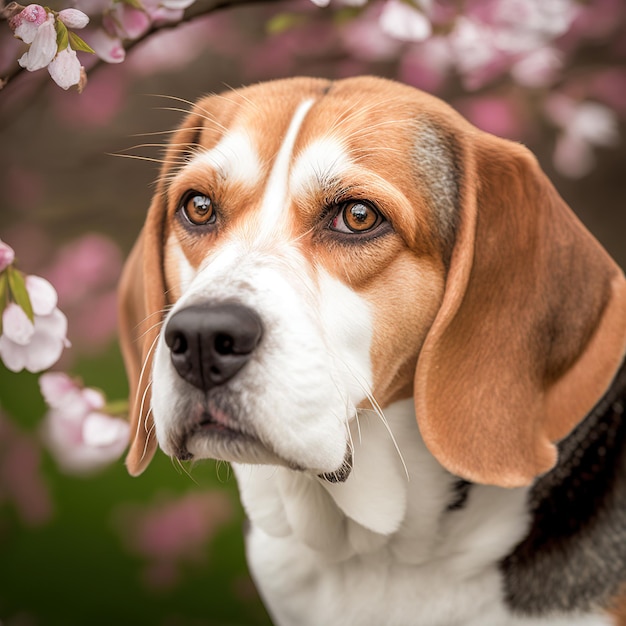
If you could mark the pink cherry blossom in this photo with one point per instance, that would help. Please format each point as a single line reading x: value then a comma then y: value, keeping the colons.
x: 44, y: 348
x: 404, y: 22
x: 108, y: 47
x: 26, y: 23
x: 126, y: 22
x: 7, y: 255
x: 43, y: 47
x: 81, y: 437
x: 61, y: 392
x: 73, y: 18
x: 365, y: 39
x: 584, y: 125
x: 537, y: 69
x: 39, y: 345
x: 65, y: 69
x: 173, y: 532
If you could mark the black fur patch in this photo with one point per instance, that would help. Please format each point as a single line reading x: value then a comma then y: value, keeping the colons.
x: 461, y: 490
x: 574, y: 557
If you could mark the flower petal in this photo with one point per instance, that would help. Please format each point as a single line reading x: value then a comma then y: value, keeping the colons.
x: 12, y: 354
x: 43, y: 295
x: 7, y: 255
x: 176, y: 4
x: 65, y: 69
x: 27, y: 22
x: 109, y: 49
x: 43, y: 48
x: 402, y: 21
x: 100, y: 430
x: 16, y: 326
x: 93, y: 398
x: 56, y: 388
x: 47, y: 343
x: 73, y: 18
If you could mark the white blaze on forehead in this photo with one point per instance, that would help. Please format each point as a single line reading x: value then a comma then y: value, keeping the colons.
x: 318, y: 165
x: 276, y: 192
x: 234, y: 158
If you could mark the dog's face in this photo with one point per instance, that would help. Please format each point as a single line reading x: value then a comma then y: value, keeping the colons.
x: 312, y: 250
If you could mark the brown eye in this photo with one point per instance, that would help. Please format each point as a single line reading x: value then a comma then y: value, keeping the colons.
x: 356, y: 217
x: 198, y: 209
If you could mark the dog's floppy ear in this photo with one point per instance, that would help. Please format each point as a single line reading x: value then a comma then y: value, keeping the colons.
x: 141, y: 306
x: 531, y: 330
x: 142, y: 299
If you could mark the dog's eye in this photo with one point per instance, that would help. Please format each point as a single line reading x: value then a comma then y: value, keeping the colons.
x: 355, y: 217
x: 198, y: 208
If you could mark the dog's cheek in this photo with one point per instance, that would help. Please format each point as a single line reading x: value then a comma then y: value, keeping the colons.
x: 347, y: 322
x: 405, y: 298
x: 179, y: 273
x: 166, y: 398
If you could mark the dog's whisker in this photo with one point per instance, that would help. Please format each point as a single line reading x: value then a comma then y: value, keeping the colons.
x: 203, y: 115
x: 155, y: 325
x: 138, y: 157
x: 171, y: 131
x: 147, y: 441
x: 240, y: 95
x: 141, y: 375
x: 187, y: 472
x: 218, y: 465
x: 173, y: 146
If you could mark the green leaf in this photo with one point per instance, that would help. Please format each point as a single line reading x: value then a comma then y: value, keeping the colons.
x: 62, y: 35
x: 19, y: 295
x: 284, y: 22
x: 136, y: 4
x: 78, y: 44
x: 4, y: 295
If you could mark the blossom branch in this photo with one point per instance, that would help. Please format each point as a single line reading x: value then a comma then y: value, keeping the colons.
x: 118, y: 36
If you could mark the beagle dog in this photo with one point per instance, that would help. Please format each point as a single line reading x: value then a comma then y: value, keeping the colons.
x: 407, y: 346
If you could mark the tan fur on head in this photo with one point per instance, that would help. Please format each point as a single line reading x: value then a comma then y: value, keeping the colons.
x: 531, y: 330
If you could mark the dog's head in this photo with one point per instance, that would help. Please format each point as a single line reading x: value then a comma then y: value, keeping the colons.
x: 314, y: 247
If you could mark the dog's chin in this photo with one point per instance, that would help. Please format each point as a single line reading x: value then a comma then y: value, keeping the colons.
x: 212, y: 438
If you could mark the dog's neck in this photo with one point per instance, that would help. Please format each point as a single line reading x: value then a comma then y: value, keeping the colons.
x: 398, y: 502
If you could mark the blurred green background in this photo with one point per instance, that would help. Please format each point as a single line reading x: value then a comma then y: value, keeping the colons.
x: 68, y: 555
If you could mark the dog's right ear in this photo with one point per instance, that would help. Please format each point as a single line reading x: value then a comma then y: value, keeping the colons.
x: 141, y: 309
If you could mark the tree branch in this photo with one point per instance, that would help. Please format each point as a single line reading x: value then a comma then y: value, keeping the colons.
x: 201, y: 8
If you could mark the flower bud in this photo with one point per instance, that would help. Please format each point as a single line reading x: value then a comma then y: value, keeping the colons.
x: 7, y: 255
x: 26, y: 23
x: 73, y: 18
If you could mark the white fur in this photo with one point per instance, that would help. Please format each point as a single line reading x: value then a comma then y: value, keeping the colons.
x: 275, y: 198
x: 318, y: 165
x: 316, y: 560
x: 234, y: 158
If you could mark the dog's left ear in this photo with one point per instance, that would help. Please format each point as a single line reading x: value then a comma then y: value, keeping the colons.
x: 531, y: 330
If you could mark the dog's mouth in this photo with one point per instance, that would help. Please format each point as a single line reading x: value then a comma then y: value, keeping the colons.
x: 214, y: 434
x: 209, y: 424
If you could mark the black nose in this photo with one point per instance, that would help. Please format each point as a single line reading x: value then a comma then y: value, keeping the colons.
x: 210, y: 344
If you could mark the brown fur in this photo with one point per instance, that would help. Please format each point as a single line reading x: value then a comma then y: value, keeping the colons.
x: 514, y: 324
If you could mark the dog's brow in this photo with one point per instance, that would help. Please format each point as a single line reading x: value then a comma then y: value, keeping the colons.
x: 234, y: 158
x: 316, y: 168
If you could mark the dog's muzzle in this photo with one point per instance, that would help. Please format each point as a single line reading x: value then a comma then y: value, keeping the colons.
x: 209, y: 344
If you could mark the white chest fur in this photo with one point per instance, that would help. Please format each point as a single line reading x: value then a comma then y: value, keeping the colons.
x: 383, y: 548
